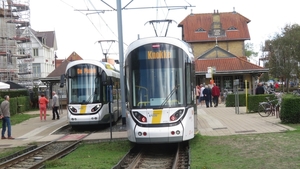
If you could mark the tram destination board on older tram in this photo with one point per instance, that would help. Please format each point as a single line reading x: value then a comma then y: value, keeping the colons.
x: 88, y: 83
x: 159, y: 74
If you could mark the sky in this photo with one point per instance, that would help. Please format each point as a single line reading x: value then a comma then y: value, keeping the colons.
x: 80, y: 24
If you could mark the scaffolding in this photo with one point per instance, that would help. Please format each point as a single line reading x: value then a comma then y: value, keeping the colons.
x: 15, y: 44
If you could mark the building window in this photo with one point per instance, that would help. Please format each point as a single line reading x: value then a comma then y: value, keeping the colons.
x: 241, y: 81
x: 36, y: 69
x: 21, y: 51
x: 228, y: 83
x: 232, y: 28
x: 35, y: 52
x: 217, y: 80
x: 200, y: 30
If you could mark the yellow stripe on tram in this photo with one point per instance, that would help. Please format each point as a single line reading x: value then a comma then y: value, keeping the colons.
x: 156, y: 118
x: 82, y: 109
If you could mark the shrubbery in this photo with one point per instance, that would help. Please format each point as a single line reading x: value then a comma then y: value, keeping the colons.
x: 290, y: 105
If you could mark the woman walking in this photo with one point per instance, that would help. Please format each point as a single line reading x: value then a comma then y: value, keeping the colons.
x: 43, y: 101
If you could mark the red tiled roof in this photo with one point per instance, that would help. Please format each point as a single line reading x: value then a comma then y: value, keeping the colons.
x: 227, y: 65
x: 60, y: 70
x: 229, y: 19
x: 58, y: 62
x: 74, y: 56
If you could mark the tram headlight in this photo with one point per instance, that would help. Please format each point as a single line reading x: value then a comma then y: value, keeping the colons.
x: 96, y: 108
x: 175, y: 116
x: 72, y: 109
x: 139, y: 117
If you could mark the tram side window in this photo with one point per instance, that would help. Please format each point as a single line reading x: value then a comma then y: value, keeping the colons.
x: 188, y: 84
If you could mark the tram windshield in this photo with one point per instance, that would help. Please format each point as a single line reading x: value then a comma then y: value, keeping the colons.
x: 156, y: 79
x: 83, y: 84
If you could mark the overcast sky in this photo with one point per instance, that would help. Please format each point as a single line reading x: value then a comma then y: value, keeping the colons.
x: 79, y: 30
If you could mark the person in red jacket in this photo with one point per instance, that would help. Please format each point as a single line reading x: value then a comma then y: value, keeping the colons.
x: 43, y: 101
x: 276, y: 85
x: 215, y: 92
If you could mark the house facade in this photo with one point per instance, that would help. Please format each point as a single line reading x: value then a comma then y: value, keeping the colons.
x: 218, y: 42
x: 44, y: 49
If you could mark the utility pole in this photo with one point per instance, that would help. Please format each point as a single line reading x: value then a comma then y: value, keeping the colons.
x: 121, y: 58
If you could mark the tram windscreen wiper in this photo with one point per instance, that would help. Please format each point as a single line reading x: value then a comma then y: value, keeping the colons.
x: 169, y: 95
x: 88, y: 100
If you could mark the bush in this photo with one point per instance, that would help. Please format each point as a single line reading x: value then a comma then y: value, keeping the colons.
x: 14, y: 93
x: 230, y: 100
x: 14, y: 104
x: 254, y: 100
x: 290, y: 110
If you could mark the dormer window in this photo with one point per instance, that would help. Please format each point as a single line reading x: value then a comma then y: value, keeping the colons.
x: 200, y: 30
x: 232, y: 28
x: 42, y: 40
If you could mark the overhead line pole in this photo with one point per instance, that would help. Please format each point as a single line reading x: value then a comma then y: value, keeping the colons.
x: 121, y: 58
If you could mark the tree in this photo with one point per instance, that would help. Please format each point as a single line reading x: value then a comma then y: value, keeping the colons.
x: 249, y: 50
x: 284, y: 53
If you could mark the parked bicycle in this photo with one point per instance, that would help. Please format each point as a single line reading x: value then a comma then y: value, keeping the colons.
x: 270, y: 107
x: 296, y: 92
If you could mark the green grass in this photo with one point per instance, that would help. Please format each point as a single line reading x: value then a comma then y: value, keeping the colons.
x: 263, y: 151
x: 9, y: 151
x: 272, y: 150
x: 18, y: 118
x: 93, y: 156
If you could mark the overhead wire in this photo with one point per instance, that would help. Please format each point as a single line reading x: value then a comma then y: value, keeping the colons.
x: 169, y: 11
x: 106, y: 25
x: 83, y: 14
x: 165, y: 18
x: 91, y: 21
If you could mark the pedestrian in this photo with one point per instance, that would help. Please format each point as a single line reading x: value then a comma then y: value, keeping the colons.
x: 55, y: 105
x: 5, y: 115
x: 259, y: 89
x: 215, y: 91
x: 43, y: 101
x: 276, y: 85
x: 197, y: 94
x: 201, y: 96
x: 210, y: 98
x: 207, y: 96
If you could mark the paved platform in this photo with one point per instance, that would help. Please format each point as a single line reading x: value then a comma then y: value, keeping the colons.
x: 213, y: 121
x: 221, y: 120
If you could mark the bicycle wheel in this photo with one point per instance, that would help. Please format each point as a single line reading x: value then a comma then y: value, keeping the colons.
x: 269, y: 110
x: 265, y: 109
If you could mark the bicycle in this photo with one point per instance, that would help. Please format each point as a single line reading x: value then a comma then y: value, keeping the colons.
x: 296, y: 92
x: 267, y: 108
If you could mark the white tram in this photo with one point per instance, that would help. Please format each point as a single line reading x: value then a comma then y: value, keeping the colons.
x: 159, y: 75
x: 88, y: 87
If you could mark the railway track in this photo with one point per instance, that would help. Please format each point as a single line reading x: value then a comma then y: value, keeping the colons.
x: 35, y: 158
x: 167, y: 156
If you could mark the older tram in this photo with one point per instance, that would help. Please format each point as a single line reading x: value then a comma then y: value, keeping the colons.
x: 88, y: 85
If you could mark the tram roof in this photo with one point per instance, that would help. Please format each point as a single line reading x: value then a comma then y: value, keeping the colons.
x: 169, y: 40
x: 109, y: 69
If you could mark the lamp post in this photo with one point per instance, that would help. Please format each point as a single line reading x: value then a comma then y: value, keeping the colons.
x: 55, y: 57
